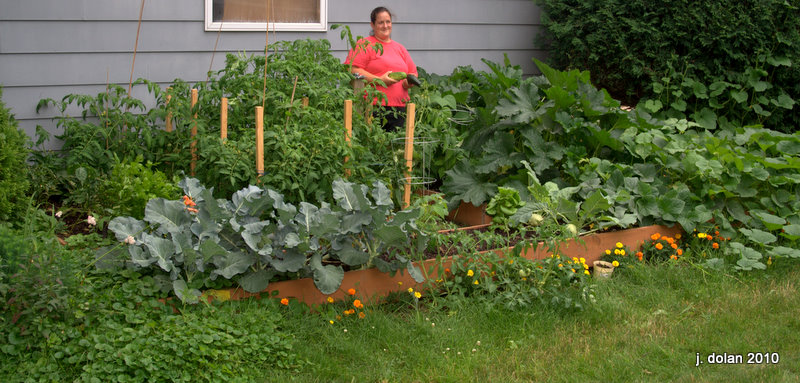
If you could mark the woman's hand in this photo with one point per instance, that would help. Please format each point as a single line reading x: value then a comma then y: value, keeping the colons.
x: 387, y: 80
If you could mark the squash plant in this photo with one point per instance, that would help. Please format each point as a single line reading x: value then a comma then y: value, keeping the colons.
x: 256, y: 235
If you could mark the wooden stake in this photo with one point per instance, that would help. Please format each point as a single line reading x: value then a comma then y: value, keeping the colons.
x: 194, y: 134
x: 259, y: 141
x: 169, y: 112
x: 409, y: 152
x: 223, y: 118
x: 348, y: 128
x: 305, y: 102
x: 135, y: 46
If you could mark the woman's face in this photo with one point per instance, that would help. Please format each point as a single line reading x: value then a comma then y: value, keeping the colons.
x: 382, y: 26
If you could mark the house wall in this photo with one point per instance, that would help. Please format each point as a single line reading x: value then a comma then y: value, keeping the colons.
x: 51, y: 48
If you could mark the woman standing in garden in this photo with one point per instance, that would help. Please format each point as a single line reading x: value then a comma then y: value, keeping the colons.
x: 373, y: 64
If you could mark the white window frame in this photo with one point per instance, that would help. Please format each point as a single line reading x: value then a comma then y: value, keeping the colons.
x: 321, y: 26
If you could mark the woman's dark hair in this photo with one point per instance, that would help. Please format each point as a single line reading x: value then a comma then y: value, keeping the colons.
x: 375, y: 12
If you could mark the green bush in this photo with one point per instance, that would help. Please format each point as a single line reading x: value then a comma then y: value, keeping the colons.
x: 132, y: 184
x: 628, y: 45
x: 13, y: 170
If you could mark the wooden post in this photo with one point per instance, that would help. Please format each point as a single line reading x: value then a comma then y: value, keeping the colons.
x: 259, y: 141
x: 169, y: 112
x: 409, y: 152
x: 223, y: 118
x: 305, y: 102
x: 348, y: 128
x: 194, y: 134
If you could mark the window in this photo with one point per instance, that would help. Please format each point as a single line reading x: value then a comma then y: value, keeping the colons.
x: 251, y: 15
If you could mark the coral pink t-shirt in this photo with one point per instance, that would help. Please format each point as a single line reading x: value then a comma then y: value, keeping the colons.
x: 395, y: 58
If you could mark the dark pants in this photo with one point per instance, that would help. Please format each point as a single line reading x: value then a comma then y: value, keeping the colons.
x: 393, y: 118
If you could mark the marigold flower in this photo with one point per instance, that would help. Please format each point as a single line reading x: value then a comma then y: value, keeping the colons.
x: 678, y: 236
x: 330, y: 321
x: 608, y: 252
x: 669, y: 240
x: 615, y: 264
x: 560, y: 265
x: 192, y: 210
x: 400, y: 283
x: 285, y: 302
x: 673, y: 256
x: 351, y: 291
x: 357, y: 304
x: 585, y: 266
x: 701, y: 235
x: 573, y: 270
x: 361, y: 315
x: 715, y: 245
x: 583, y: 260
x: 417, y: 295
x: 619, y: 245
x: 476, y: 282
x: 586, y: 272
x: 622, y: 252
x: 188, y: 201
x: 674, y: 245
x: 655, y: 236
x: 330, y: 299
x: 639, y: 255
x: 470, y: 273
x: 659, y: 246
x: 679, y: 252
x: 709, y: 237
x: 510, y: 261
x: 616, y: 251
x: 447, y: 271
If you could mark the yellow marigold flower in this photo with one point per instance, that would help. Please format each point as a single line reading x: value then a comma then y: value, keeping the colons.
x: 511, y: 262
x: 583, y: 260
x: 573, y: 270
x: 586, y: 272
x: 608, y: 252
x: 701, y: 235
x: 678, y: 236
x: 330, y: 299
x: 417, y: 295
x: 560, y: 265
x: 410, y: 290
x: 575, y: 260
x: 619, y: 245
x: 615, y: 264
x: 330, y: 321
x: 399, y: 283
x: 585, y: 266
x: 622, y: 252
x: 470, y: 273
x: 616, y: 251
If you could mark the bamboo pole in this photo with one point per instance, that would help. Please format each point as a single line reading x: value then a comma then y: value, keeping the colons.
x: 409, y: 152
x: 194, y: 134
x: 135, y: 46
x: 169, y: 112
x: 223, y: 118
x: 348, y: 128
x: 259, y: 141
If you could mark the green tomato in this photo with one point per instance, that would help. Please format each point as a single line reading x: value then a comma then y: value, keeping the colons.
x: 572, y: 229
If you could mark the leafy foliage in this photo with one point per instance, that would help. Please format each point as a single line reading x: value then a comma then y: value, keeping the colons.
x: 256, y: 235
x: 13, y: 170
x: 629, y: 45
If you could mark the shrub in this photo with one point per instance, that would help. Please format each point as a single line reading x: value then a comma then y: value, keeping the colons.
x: 13, y: 170
x: 627, y: 45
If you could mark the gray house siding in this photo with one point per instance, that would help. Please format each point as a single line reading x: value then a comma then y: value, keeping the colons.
x: 50, y: 48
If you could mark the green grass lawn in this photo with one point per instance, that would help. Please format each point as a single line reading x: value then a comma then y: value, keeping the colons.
x: 650, y: 324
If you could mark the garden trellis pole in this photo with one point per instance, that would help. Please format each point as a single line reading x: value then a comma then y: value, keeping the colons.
x: 135, y: 46
x: 409, y: 152
x: 223, y: 118
x: 259, y: 141
x: 348, y: 129
x: 193, y: 144
x: 169, y: 112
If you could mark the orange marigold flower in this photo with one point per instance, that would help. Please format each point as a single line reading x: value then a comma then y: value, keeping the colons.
x: 361, y: 315
x: 659, y: 246
x: 680, y: 252
x: 351, y: 291
x: 669, y: 240
x: 716, y: 233
x: 673, y: 256
x: 330, y: 299
x: 188, y: 201
x: 674, y: 245
x: 639, y: 255
x: 192, y: 210
x: 357, y: 304
x: 710, y: 237
x: 655, y: 236
x: 285, y: 302
x: 447, y: 271
x: 678, y: 236
x: 715, y: 245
